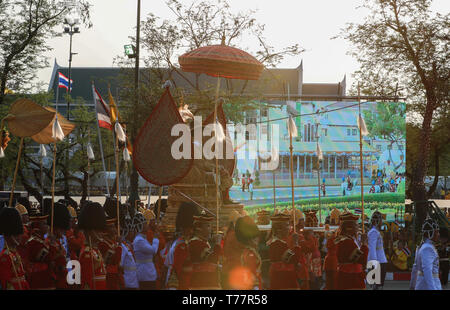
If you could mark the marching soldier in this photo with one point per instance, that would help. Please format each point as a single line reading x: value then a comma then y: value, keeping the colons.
x: 110, y: 247
x: 39, y: 258
x: 352, y: 257
x: 425, y: 271
x: 12, y: 271
x: 204, y: 258
x: 376, y: 248
x: 92, y: 221
x: 247, y: 275
x: 178, y: 260
x: 75, y: 237
x: 26, y: 231
x: 331, y: 262
x: 283, y: 260
x: 58, y: 254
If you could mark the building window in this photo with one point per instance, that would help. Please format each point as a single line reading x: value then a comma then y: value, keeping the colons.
x: 264, y: 129
x: 264, y: 113
x: 305, y: 136
x: 400, y: 147
x: 348, y: 132
x: 325, y: 131
x: 379, y: 147
x: 354, y: 131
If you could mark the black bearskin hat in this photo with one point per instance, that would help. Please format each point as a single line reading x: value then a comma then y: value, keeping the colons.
x: 61, y: 216
x: 92, y: 217
x: 185, y: 216
x: 10, y: 222
x: 246, y: 229
x: 110, y: 207
x: 46, y: 207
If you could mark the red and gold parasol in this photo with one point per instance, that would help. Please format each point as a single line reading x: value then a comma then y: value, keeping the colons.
x: 221, y: 61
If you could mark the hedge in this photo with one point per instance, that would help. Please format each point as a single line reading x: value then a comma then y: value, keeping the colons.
x: 386, y: 198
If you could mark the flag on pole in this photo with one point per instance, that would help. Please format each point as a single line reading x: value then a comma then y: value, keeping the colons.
x: 358, y: 210
x: 319, y: 151
x: 103, y: 113
x: 362, y: 126
x: 113, y: 108
x: 63, y: 81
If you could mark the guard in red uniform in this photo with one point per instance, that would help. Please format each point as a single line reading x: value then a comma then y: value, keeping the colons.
x: 352, y: 257
x: 306, y: 249
x: 283, y: 259
x: 75, y: 237
x: 12, y: 272
x: 178, y: 260
x: 110, y: 247
x: 204, y: 257
x: 331, y: 262
x: 92, y: 221
x: 40, y: 262
x: 246, y: 274
x: 26, y: 231
x: 61, y: 222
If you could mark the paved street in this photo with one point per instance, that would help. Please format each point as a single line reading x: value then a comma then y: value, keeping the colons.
x: 265, y: 195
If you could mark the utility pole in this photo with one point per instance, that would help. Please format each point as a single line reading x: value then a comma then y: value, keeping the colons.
x: 134, y: 178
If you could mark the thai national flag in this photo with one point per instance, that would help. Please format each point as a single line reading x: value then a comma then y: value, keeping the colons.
x: 358, y: 211
x: 102, y: 110
x: 407, y: 251
x: 63, y: 81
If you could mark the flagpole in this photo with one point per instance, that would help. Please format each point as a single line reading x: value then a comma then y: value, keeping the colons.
x: 360, y: 158
x: 291, y: 162
x: 100, y: 140
x: 318, y: 184
x: 117, y: 180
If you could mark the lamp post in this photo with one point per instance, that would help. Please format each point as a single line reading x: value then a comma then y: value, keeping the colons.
x: 70, y: 29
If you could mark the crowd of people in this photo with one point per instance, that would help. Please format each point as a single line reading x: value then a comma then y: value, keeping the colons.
x: 132, y: 250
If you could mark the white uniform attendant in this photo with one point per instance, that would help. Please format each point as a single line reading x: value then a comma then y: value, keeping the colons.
x: 376, y: 248
x: 128, y: 263
x: 425, y: 272
x: 144, y: 252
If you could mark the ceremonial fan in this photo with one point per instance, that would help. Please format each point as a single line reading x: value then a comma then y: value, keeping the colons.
x: 44, y: 125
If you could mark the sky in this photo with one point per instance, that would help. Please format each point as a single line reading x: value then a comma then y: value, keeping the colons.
x: 311, y: 24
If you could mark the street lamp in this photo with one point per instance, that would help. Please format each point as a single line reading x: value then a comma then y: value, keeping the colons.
x: 70, y: 29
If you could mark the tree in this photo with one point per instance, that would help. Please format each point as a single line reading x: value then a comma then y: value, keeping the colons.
x: 388, y: 122
x: 403, y: 48
x: 25, y: 28
x: 195, y: 25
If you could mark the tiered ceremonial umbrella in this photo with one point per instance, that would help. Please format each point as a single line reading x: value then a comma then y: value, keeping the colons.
x: 43, y: 124
x: 221, y: 61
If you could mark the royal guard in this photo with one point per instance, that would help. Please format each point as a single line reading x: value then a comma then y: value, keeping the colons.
x: 282, y: 272
x: 330, y: 263
x: 61, y: 223
x: 26, y: 231
x: 310, y: 248
x: 247, y: 274
x: 306, y: 248
x: 153, y: 231
x: 231, y: 249
x: 204, y: 257
x: 75, y: 236
x: 178, y: 260
x: 376, y: 248
x: 40, y: 262
x: 425, y: 271
x: 92, y: 221
x: 12, y: 271
x: 110, y: 248
x: 352, y: 257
